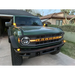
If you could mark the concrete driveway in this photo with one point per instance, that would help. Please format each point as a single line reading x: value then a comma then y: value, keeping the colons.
x: 59, y: 59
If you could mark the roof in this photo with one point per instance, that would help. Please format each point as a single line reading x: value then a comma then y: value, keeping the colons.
x: 14, y: 12
x: 49, y: 16
x: 54, y: 15
x: 71, y: 16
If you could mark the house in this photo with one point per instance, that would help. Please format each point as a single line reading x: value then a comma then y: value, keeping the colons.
x: 6, y: 15
x: 57, y: 18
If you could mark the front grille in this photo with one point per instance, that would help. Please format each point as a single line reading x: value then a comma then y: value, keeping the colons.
x: 43, y: 42
x: 47, y: 36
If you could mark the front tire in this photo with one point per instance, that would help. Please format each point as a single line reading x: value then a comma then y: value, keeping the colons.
x: 16, y: 58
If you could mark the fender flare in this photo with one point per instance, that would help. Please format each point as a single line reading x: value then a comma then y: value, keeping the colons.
x: 13, y: 42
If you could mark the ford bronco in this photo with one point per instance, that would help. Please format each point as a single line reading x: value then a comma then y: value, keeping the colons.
x: 28, y: 38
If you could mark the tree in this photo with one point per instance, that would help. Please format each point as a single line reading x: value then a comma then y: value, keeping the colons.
x: 66, y: 12
x: 72, y: 13
x: 39, y: 15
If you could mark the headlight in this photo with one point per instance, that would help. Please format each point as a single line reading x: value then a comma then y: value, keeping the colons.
x: 25, y: 40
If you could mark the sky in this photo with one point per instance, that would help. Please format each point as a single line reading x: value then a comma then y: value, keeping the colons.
x: 46, y: 10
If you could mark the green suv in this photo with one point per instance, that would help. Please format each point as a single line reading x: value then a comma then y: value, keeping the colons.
x: 28, y: 38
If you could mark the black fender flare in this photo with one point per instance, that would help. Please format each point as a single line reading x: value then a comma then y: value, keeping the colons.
x: 13, y: 42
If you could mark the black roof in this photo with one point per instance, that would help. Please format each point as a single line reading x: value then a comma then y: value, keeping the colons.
x: 15, y: 12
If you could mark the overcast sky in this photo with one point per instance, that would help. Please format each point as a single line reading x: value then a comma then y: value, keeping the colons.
x: 46, y: 10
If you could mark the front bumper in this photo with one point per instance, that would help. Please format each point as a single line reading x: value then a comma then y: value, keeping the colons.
x: 40, y: 51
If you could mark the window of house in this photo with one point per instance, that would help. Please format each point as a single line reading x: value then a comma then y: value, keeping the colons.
x: 59, y: 22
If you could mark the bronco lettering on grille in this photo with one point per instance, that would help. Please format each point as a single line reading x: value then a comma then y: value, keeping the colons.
x: 46, y: 39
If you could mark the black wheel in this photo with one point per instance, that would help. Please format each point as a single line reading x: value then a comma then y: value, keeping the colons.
x: 16, y: 58
x: 56, y: 52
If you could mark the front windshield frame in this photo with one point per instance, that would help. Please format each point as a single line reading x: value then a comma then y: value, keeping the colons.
x: 37, y: 19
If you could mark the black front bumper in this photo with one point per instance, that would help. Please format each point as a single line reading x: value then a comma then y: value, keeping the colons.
x: 40, y: 51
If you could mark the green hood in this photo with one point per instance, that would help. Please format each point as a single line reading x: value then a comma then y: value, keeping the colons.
x: 37, y: 30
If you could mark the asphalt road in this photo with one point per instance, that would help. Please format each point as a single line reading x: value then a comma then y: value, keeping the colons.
x: 59, y: 59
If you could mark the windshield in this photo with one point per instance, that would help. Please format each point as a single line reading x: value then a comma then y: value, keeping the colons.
x: 28, y: 21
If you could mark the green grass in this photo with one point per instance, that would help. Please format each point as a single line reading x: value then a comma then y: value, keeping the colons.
x: 69, y: 49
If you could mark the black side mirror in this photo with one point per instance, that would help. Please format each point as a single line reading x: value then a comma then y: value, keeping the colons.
x: 8, y: 24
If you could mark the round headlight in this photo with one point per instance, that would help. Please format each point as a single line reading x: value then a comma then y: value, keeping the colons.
x: 25, y: 40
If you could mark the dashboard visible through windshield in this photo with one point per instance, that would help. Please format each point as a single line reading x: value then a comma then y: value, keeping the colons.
x: 28, y: 21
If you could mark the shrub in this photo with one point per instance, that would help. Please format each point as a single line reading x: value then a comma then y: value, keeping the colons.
x: 69, y: 28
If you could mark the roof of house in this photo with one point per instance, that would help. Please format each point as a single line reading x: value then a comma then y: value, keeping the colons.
x: 55, y: 15
x: 14, y: 12
x: 71, y: 16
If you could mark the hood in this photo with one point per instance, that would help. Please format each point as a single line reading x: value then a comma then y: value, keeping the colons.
x: 37, y: 30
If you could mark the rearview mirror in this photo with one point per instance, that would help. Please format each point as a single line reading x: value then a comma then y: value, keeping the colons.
x: 8, y: 24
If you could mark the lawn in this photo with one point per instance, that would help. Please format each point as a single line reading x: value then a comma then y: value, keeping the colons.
x: 69, y: 49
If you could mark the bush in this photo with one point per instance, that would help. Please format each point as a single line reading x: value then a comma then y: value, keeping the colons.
x: 53, y: 25
x: 69, y: 28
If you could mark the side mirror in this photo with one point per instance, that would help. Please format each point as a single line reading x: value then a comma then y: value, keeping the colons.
x: 8, y: 24
x: 45, y: 25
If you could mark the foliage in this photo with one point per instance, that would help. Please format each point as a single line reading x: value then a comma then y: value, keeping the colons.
x: 66, y: 11
x: 70, y: 28
x: 39, y: 15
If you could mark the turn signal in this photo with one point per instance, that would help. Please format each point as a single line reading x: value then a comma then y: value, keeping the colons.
x: 18, y: 40
x: 18, y: 49
x: 14, y: 24
x: 64, y: 41
x: 44, y: 25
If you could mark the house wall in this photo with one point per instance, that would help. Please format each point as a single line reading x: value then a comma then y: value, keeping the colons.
x: 62, y: 14
x: 53, y: 21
